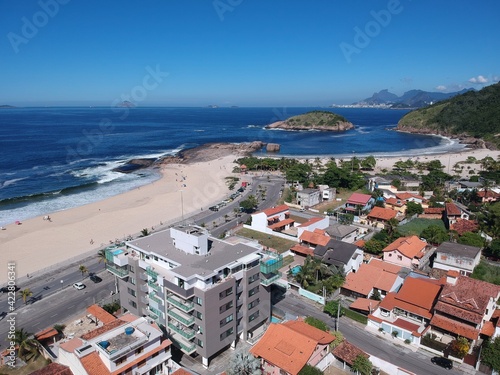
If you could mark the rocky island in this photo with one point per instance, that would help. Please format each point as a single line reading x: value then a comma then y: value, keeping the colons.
x: 314, y: 120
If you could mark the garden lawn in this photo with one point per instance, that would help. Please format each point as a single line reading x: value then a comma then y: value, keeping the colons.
x: 280, y: 244
x: 33, y: 364
x: 416, y: 226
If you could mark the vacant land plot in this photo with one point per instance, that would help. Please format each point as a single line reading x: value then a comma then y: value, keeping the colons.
x: 416, y: 226
x: 280, y: 244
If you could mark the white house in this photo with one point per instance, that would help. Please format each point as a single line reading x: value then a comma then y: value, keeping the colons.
x: 456, y: 257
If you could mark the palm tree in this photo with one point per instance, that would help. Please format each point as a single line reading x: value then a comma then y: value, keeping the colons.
x: 25, y: 294
x: 101, y: 255
x: 25, y: 342
x: 83, y: 270
x: 391, y: 226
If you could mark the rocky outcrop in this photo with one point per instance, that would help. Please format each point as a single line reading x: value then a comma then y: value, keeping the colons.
x: 135, y: 164
x: 314, y: 120
x: 340, y: 127
x: 273, y: 147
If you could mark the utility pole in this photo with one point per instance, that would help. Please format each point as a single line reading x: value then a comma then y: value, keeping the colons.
x: 338, y: 316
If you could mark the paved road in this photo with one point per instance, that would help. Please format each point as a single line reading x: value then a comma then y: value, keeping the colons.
x: 398, y: 354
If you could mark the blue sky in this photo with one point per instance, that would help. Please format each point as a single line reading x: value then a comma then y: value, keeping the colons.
x: 242, y: 52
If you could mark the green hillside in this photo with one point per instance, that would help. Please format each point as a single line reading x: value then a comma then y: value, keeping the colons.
x: 317, y: 120
x: 475, y: 113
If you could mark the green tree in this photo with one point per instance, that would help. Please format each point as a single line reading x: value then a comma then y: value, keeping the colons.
x: 333, y: 308
x: 376, y: 295
x: 494, y: 248
x: 434, y: 234
x: 490, y: 354
x: 413, y: 208
x: 25, y: 294
x: 310, y: 370
x: 101, y: 255
x: 145, y: 232
x: 391, y: 226
x: 243, y: 363
x: 471, y: 239
x: 368, y: 163
x: 339, y: 337
x: 362, y: 365
x: 460, y: 346
x: 319, y: 324
x: 83, y: 270
x: 25, y: 342
x: 249, y: 204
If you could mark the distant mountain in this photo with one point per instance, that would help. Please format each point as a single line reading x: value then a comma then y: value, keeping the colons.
x: 410, y: 99
x: 471, y: 114
x: 5, y: 106
x: 126, y: 104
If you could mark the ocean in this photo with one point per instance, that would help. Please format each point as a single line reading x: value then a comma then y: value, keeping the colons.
x: 55, y: 158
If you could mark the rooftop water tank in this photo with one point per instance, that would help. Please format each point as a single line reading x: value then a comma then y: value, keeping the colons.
x: 104, y: 344
x: 129, y: 330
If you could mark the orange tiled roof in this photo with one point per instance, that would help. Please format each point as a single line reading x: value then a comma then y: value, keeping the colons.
x: 488, y: 329
x: 452, y: 209
x: 71, y: 345
x: 406, y: 196
x: 391, y: 301
x: 382, y: 213
x: 388, y: 267
x: 46, y: 334
x: 364, y: 304
x: 285, y: 348
x: 315, y: 238
x: 311, y: 221
x: 395, y: 202
x: 281, y: 223
x: 322, y: 337
x: 103, y: 329
x: 410, y: 247
x: 454, y: 326
x: 348, y: 352
x: 368, y: 277
x: 360, y: 243
x: 358, y: 198
x: 433, y: 210
x: 453, y: 273
x: 461, y: 226
x: 100, y: 314
x: 302, y: 249
x: 181, y: 371
x: 487, y: 194
x: 419, y: 292
x: 53, y: 369
x: 276, y: 210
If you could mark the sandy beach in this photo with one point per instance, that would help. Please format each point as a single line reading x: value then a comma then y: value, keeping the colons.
x: 184, y: 189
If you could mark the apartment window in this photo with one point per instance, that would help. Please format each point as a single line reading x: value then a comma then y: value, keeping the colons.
x: 251, y: 292
x: 139, y: 350
x: 253, y: 278
x: 226, y: 320
x: 198, y: 301
x: 199, y: 315
x: 199, y: 342
x: 253, y: 316
x: 253, y: 264
x: 119, y: 361
x: 141, y: 363
x: 227, y: 333
x: 131, y: 292
x: 252, y: 304
x: 132, y: 280
x: 226, y: 293
x: 225, y: 307
x: 200, y: 330
x: 131, y: 268
x: 132, y: 303
x: 400, y: 257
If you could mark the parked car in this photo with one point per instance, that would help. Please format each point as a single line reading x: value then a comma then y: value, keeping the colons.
x: 95, y: 278
x: 443, y: 362
x: 79, y: 286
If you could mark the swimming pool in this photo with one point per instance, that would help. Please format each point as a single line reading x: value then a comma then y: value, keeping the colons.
x: 296, y: 269
x: 117, y: 252
x: 275, y: 319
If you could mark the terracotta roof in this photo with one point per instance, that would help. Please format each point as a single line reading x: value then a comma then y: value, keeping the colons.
x: 358, y: 198
x: 275, y: 210
x: 53, y: 369
x: 322, y: 337
x: 391, y: 301
x: 360, y: 243
x: 382, y: 213
x: 347, y: 352
x: 103, y: 329
x: 454, y: 326
x: 419, y: 292
x: 182, y: 371
x: 302, y: 250
x: 395, y: 202
x: 46, y: 334
x: 406, y: 196
x: 315, y: 238
x: 368, y: 277
x: 433, y: 210
x: 453, y: 273
x: 452, y: 209
x: 285, y: 348
x: 488, y: 329
x: 409, y: 326
x: 71, y: 345
x: 410, y: 247
x: 487, y: 194
x: 364, y: 304
x: 461, y: 226
x: 311, y: 221
x: 128, y: 317
x: 100, y: 314
x: 388, y: 267
x: 281, y: 223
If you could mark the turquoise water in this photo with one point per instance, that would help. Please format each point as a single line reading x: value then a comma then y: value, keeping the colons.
x: 117, y: 252
x: 275, y: 319
x: 270, y: 262
x: 296, y: 270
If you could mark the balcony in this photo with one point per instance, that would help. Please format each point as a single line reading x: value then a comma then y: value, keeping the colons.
x: 154, y: 286
x: 186, y: 346
x: 151, y: 272
x: 185, y: 332
x: 186, y: 306
x: 271, y: 263
x: 155, y: 298
x: 186, y: 293
x: 144, y: 300
x: 187, y: 320
x: 121, y: 272
x: 143, y: 276
x: 144, y: 288
x: 269, y: 280
x: 153, y: 316
x: 155, y: 311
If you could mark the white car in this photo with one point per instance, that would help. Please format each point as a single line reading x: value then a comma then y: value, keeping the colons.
x: 79, y: 286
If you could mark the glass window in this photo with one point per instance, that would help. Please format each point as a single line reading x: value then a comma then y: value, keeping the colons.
x: 199, y: 301
x: 131, y: 292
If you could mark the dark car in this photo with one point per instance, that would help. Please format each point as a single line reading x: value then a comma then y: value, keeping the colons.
x: 95, y: 278
x: 443, y: 362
